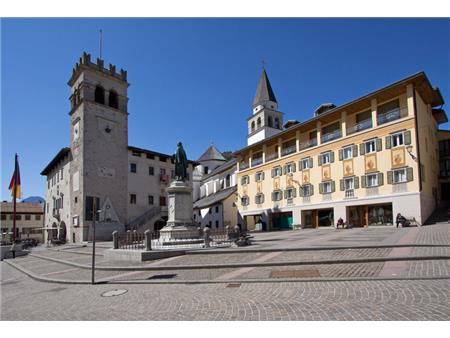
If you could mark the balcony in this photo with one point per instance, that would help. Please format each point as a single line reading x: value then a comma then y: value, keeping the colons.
x: 391, y: 115
x: 349, y: 193
x: 271, y: 157
x: 257, y: 161
x: 308, y: 144
x: 243, y: 165
x: 331, y: 136
x: 288, y: 150
x: 363, y: 125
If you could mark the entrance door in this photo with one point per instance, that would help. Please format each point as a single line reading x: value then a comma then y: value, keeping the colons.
x: 325, y: 217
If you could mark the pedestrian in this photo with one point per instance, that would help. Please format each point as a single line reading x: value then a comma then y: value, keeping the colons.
x: 340, y: 222
x: 13, y: 249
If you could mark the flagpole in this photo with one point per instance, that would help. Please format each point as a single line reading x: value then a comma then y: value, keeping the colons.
x: 14, y: 199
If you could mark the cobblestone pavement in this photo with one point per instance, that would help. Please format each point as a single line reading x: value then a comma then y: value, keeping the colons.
x: 26, y: 299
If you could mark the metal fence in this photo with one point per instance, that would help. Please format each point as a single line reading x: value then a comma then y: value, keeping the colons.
x: 157, y: 240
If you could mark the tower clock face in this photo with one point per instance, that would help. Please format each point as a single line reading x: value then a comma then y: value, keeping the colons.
x: 76, y: 130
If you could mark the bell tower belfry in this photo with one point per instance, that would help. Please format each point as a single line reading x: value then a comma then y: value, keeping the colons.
x: 266, y: 120
x: 99, y: 147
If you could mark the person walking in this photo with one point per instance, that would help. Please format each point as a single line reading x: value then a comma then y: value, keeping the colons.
x: 399, y: 220
x: 13, y: 249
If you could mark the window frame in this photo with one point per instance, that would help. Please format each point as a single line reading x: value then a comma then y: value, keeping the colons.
x: 400, y: 136
x: 349, y: 179
x: 259, y: 176
x: 133, y: 165
x: 367, y: 143
x: 344, y: 150
x: 376, y: 180
x: 405, y: 179
x: 325, y: 155
x: 305, y: 160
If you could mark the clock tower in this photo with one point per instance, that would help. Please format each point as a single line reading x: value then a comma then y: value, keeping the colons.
x: 99, y: 147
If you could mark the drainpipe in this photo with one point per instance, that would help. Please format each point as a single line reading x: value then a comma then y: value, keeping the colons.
x: 416, y: 126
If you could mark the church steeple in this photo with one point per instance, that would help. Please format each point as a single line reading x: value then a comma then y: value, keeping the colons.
x: 266, y: 120
x: 264, y: 93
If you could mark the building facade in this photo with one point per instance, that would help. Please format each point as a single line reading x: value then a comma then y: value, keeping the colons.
x: 444, y: 166
x: 364, y: 161
x: 29, y: 220
x: 126, y: 184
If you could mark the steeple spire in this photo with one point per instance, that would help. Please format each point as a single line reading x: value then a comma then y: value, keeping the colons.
x: 264, y: 91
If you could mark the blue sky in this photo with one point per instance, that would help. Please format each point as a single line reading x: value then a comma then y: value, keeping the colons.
x: 193, y: 80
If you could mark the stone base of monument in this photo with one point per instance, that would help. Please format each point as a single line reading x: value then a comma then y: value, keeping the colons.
x: 180, y: 228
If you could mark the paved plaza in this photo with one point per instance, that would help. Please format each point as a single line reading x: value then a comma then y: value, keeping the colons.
x: 326, y: 274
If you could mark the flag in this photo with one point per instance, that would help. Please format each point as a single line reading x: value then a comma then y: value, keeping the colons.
x: 14, y: 185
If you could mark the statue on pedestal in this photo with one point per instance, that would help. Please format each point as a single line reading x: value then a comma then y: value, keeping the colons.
x: 181, y: 163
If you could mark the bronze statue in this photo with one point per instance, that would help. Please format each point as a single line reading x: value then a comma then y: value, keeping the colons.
x: 181, y: 163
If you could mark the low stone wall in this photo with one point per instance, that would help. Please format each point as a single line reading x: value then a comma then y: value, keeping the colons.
x: 5, y: 251
x: 137, y: 256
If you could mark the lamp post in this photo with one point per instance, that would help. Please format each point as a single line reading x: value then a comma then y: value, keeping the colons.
x: 94, y: 214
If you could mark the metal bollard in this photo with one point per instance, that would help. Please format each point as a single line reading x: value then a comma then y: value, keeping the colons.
x: 148, y: 240
x: 115, y: 236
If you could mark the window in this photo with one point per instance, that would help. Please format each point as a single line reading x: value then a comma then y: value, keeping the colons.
x: 258, y: 123
x: 27, y: 217
x: 347, y: 152
x: 162, y: 201
x: 277, y: 195
x: 306, y: 163
x: 209, y: 224
x: 399, y: 176
x: 209, y: 211
x: 370, y: 146
x: 136, y: 153
x: 372, y: 180
x: 277, y: 171
x: 133, y: 168
x: 289, y: 147
x: 228, y: 181
x: 151, y: 171
x: 259, y: 176
x: 217, y: 224
x: 3, y: 217
x: 162, y: 171
x: 259, y: 199
x: 37, y: 217
x: 397, y: 140
x: 245, y: 180
x: 206, y: 170
x: 269, y: 121
x: 150, y: 156
x: 326, y: 187
x: 253, y: 126
x: 245, y: 200
x: 326, y: 158
x: 76, y: 199
x: 150, y: 199
x: 217, y: 209
x: 388, y: 112
x: 277, y: 123
x: 349, y: 183
x: 290, y: 193
x: 306, y: 190
x: 99, y: 95
x: 289, y: 168
x: 132, y: 198
x: 113, y: 99
x: 62, y: 173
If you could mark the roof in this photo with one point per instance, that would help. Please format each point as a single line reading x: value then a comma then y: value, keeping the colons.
x: 264, y: 90
x: 22, y: 208
x: 160, y: 155
x: 420, y: 81
x: 211, y: 154
x: 227, y: 165
x: 214, y: 198
x: 59, y: 157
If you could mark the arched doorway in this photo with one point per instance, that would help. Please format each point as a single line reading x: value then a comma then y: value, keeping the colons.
x: 62, y: 233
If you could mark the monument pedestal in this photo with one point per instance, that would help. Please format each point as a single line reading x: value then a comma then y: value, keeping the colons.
x: 179, y: 224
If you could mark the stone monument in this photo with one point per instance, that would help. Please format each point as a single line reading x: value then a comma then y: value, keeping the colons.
x: 180, y: 225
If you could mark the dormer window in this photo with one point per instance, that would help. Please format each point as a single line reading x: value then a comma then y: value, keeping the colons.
x: 99, y: 95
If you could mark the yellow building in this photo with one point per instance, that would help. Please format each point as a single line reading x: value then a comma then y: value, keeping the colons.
x: 364, y: 161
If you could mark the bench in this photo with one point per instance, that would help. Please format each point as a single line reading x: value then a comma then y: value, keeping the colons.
x: 411, y: 221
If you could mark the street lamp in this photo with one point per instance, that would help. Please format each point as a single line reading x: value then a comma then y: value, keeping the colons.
x: 409, y: 150
x: 94, y: 214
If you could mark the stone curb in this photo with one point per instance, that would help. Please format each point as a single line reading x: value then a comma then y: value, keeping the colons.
x: 233, y: 281
x: 247, y: 265
x: 75, y: 252
x: 314, y: 248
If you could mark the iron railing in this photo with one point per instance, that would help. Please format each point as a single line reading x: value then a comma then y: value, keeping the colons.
x: 288, y: 150
x: 391, y: 115
x: 363, y: 125
x: 132, y: 240
x: 243, y: 165
x: 271, y: 157
x: 308, y: 144
x: 331, y: 136
x: 257, y: 161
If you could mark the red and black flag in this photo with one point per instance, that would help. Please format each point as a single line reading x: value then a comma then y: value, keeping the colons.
x: 14, y: 185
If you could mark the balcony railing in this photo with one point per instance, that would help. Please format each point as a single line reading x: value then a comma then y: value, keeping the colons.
x: 243, y: 165
x: 257, y: 161
x: 349, y: 193
x: 288, y: 150
x: 271, y: 157
x: 389, y: 116
x: 363, y: 125
x: 308, y: 144
x: 331, y: 136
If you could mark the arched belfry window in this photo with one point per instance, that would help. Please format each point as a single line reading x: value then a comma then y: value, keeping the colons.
x: 269, y: 121
x: 258, y: 123
x: 99, y: 95
x: 277, y: 123
x: 113, y: 99
x: 253, y: 125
